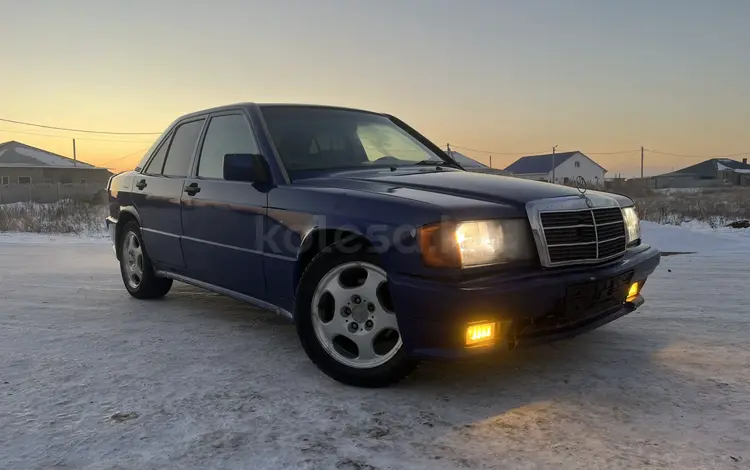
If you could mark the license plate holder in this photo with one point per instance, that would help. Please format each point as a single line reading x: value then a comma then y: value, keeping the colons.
x: 581, y: 299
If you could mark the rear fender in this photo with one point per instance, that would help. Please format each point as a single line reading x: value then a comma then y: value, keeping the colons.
x: 127, y: 214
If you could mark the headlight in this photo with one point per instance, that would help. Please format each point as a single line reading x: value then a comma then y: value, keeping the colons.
x: 476, y: 243
x: 632, y: 225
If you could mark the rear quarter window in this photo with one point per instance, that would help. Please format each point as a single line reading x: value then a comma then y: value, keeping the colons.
x: 157, y: 163
x: 182, y: 148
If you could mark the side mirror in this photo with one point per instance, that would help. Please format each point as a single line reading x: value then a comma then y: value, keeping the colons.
x: 246, y: 167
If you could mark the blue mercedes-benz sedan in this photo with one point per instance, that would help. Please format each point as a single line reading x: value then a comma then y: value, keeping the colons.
x: 374, y: 241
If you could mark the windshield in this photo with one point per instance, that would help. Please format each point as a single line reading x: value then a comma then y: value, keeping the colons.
x: 323, y: 138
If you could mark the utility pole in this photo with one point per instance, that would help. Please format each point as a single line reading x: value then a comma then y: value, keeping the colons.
x: 490, y: 161
x: 641, y: 162
x: 553, y: 163
x: 75, y: 161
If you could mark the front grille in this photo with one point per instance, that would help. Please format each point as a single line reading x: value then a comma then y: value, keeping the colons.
x: 585, y: 236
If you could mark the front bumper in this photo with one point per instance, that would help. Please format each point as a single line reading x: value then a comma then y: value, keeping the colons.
x: 433, y: 314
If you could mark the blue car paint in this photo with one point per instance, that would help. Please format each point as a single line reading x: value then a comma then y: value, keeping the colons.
x: 248, y: 239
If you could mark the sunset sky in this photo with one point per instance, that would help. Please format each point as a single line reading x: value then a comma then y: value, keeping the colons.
x: 510, y: 77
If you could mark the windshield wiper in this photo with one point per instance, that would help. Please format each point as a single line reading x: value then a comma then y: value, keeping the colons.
x: 440, y: 163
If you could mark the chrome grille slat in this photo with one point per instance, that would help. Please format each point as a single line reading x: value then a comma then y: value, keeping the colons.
x: 582, y: 235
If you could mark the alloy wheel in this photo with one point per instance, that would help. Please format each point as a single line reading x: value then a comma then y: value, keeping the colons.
x: 132, y: 253
x: 353, y: 316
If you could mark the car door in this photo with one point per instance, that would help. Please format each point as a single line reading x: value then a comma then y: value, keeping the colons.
x: 157, y: 191
x: 223, y: 221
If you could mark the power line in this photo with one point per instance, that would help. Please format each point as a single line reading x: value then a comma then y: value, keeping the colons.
x: 68, y: 137
x: 76, y: 130
x: 612, y: 153
x: 124, y: 156
x: 491, y: 152
x: 630, y: 152
x: 697, y: 156
x: 540, y: 152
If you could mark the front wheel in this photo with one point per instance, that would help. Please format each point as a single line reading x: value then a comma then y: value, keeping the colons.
x: 345, y: 320
x: 136, y: 268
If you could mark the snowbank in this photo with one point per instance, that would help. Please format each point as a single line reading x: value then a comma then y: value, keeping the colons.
x: 65, y: 216
x: 694, y: 237
x: 25, y: 238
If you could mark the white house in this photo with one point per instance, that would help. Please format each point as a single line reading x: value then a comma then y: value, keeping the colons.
x: 566, y: 166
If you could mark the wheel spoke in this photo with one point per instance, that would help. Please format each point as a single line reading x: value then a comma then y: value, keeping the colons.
x: 369, y: 289
x: 132, y: 242
x: 340, y: 293
x: 385, y: 321
x: 335, y: 327
x: 365, y: 349
x: 138, y: 265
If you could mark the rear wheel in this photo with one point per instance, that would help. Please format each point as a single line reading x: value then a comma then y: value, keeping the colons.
x: 136, y: 268
x: 345, y: 320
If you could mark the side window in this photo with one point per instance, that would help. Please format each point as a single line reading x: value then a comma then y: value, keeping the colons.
x: 182, y: 148
x: 157, y: 163
x: 225, y: 135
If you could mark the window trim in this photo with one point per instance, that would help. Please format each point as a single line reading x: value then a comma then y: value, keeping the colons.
x: 5, y: 180
x: 167, y: 141
x: 201, y: 141
x: 173, y: 132
x: 163, y: 139
x: 29, y: 177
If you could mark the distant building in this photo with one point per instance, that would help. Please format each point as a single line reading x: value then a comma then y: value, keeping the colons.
x: 24, y: 164
x: 710, y: 173
x: 474, y: 166
x: 568, y: 166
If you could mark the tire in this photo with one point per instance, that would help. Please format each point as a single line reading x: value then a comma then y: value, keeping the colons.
x: 327, y: 331
x: 136, y: 268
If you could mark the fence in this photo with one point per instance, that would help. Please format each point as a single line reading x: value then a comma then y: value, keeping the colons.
x: 45, y: 193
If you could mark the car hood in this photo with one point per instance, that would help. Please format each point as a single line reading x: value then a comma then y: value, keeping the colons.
x: 492, y: 188
x: 424, y: 185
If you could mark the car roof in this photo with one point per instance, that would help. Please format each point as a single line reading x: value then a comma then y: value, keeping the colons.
x: 271, y: 105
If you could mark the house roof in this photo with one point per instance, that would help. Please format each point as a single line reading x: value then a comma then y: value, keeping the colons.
x: 708, y: 168
x: 16, y: 154
x: 538, y: 163
x: 465, y: 161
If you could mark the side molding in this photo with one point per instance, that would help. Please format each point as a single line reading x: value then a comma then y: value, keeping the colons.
x: 227, y: 292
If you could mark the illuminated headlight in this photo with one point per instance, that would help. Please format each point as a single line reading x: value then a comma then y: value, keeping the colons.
x: 632, y: 225
x: 476, y: 243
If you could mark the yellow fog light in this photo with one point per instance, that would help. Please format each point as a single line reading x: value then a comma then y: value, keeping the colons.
x: 480, y: 333
x: 633, y: 292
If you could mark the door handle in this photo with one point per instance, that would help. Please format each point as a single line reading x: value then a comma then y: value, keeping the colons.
x: 192, y: 189
x: 141, y: 184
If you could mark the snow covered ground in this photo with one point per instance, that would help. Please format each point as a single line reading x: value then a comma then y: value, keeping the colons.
x: 92, y: 379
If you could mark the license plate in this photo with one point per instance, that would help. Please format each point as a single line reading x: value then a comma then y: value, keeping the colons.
x: 581, y: 299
